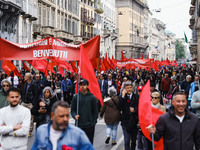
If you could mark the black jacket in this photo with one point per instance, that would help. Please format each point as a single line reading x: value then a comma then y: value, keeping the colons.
x: 124, y: 106
x: 176, y: 135
x: 32, y: 95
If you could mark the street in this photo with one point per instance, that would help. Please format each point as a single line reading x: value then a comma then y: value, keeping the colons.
x: 99, y: 137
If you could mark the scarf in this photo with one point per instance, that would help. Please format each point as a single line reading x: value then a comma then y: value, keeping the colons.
x: 156, y: 106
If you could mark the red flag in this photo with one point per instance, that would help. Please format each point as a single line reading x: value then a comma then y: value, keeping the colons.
x: 148, y: 115
x: 106, y: 64
x: 87, y: 73
x: 25, y: 66
x: 102, y: 66
x: 8, y: 66
x: 148, y: 56
x: 64, y: 64
x: 73, y: 64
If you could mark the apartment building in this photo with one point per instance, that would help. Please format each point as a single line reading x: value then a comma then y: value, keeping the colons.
x: 58, y: 18
x: 129, y: 18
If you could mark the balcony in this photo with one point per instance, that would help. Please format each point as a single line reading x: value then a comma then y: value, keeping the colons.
x: 192, y: 9
x: 48, y: 30
x: 98, y: 7
x: 192, y: 21
x: 91, y: 21
x: 65, y: 36
x: 146, y: 35
x: 77, y: 39
x: 114, y: 35
x: 34, y: 14
x: 37, y: 29
x: 106, y: 33
x: 193, y: 2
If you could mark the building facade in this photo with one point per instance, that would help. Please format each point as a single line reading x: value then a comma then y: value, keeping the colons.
x: 58, y: 18
x: 170, y: 45
x: 195, y: 27
x: 16, y: 21
x: 157, y: 39
x: 129, y: 18
x: 108, y: 31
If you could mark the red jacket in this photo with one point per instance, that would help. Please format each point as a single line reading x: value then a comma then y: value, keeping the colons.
x: 165, y: 84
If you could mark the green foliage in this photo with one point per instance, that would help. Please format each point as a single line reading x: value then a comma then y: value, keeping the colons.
x: 180, y: 50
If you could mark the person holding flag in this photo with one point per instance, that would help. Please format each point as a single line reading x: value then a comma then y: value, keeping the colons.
x: 178, y: 127
x: 87, y: 111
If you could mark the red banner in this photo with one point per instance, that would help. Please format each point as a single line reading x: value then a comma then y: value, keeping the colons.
x: 47, y: 48
x: 141, y: 63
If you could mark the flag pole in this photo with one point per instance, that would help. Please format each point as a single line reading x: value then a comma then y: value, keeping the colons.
x: 152, y: 137
x: 78, y: 97
x: 51, y: 73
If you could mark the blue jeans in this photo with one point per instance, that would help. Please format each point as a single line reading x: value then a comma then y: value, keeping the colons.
x: 129, y: 139
x: 112, y: 128
x: 142, y: 141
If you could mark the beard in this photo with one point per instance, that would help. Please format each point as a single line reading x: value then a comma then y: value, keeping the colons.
x: 60, y: 126
x: 13, y: 104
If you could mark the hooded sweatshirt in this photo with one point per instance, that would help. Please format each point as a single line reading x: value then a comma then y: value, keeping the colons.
x: 88, y: 112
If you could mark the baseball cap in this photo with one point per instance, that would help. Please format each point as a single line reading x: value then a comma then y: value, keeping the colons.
x: 84, y: 81
x: 140, y: 88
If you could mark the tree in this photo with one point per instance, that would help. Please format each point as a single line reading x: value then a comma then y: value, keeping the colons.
x: 180, y: 50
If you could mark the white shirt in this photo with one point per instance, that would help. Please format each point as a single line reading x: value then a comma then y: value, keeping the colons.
x: 11, y: 116
x: 54, y: 136
x: 180, y: 118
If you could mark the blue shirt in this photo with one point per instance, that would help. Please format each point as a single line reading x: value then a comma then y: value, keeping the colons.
x: 66, y: 86
x: 72, y: 137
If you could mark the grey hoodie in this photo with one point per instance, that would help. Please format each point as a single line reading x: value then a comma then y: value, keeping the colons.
x: 195, y: 102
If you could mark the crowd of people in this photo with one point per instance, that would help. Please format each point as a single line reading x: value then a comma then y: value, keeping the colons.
x: 46, y: 101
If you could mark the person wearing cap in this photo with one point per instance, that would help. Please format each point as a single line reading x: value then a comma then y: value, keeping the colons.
x: 87, y: 110
x: 5, y: 83
x: 128, y: 105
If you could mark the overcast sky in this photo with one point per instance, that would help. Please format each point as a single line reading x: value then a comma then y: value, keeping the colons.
x: 174, y: 13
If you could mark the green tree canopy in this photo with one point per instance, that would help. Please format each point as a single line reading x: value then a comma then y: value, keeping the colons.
x: 180, y: 50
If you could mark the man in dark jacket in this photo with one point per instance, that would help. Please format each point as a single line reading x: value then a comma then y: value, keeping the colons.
x: 165, y: 84
x: 103, y: 84
x: 128, y: 104
x: 87, y: 111
x: 30, y: 96
x: 178, y: 127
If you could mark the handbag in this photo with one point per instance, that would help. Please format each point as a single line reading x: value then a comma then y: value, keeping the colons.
x: 116, y: 107
x: 170, y: 95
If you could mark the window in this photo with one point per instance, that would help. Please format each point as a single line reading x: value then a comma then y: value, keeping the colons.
x: 66, y: 23
x: 62, y: 22
x: 40, y: 12
x: 44, y: 16
x: 53, y: 18
x: 58, y: 21
x: 48, y: 19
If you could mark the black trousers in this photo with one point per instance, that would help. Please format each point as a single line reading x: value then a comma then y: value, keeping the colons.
x: 67, y: 98
x: 89, y: 131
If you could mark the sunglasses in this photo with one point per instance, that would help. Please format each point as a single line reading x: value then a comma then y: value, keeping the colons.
x: 6, y: 85
x: 154, y: 97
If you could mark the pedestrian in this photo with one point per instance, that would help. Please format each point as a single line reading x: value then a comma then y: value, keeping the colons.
x: 178, y: 127
x: 42, y: 110
x: 5, y: 83
x: 14, y: 123
x: 128, y: 105
x: 30, y: 96
x: 165, y: 84
x: 87, y: 110
x: 13, y: 79
x: 111, y: 115
x: 66, y: 88
x: 59, y: 134
x: 103, y: 84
